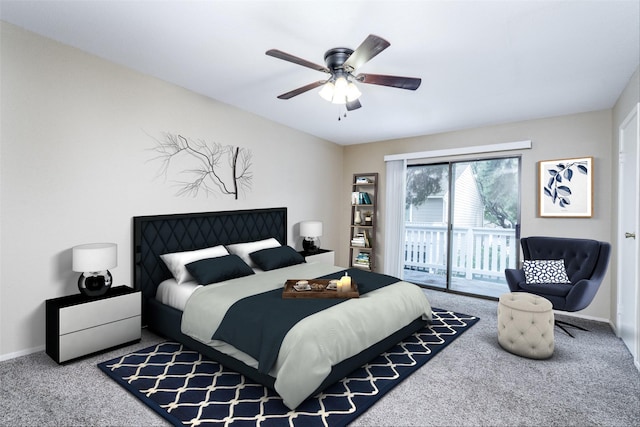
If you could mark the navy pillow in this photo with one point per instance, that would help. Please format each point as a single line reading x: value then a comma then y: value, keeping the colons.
x: 213, y: 270
x: 272, y: 258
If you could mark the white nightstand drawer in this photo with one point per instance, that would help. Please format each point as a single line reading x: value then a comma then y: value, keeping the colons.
x: 78, y: 325
x: 327, y: 257
x: 86, y: 341
x: 94, y: 313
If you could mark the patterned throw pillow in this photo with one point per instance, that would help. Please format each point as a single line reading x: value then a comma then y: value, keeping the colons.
x: 538, y: 272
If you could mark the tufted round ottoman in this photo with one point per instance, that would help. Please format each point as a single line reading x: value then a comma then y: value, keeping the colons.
x: 525, y: 325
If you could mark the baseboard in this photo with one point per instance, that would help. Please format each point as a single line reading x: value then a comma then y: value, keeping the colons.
x: 583, y: 316
x: 20, y: 353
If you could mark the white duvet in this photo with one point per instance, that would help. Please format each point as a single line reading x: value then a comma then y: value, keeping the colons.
x: 319, y: 341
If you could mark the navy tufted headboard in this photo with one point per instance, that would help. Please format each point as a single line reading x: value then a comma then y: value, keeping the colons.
x: 160, y: 234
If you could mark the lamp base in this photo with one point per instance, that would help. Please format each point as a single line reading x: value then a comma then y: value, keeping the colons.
x: 311, y: 245
x: 95, y: 284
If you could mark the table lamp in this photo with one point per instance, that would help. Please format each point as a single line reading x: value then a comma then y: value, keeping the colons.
x: 310, y: 231
x: 94, y: 260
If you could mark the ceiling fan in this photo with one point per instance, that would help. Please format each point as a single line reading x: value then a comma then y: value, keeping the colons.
x: 341, y: 63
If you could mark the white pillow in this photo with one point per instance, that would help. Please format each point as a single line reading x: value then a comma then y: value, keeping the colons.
x: 176, y: 261
x: 244, y: 249
x: 538, y: 272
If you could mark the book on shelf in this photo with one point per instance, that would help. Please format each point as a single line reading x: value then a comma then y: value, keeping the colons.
x: 362, y: 260
x: 362, y: 257
x: 363, y: 180
x: 355, y: 196
x: 360, y: 198
x: 361, y: 240
x: 358, y: 240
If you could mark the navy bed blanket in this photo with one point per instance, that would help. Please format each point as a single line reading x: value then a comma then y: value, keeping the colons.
x: 258, y: 324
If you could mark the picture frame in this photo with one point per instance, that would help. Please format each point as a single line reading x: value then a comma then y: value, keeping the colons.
x: 565, y: 188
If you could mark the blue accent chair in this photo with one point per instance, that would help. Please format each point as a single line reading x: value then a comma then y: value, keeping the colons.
x: 586, y: 263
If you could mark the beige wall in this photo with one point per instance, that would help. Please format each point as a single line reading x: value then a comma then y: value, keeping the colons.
x: 75, y: 167
x: 579, y: 135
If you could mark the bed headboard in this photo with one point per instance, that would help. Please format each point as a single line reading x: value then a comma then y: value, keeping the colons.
x: 159, y: 234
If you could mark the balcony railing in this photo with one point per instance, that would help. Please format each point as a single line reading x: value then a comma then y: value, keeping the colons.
x: 478, y: 253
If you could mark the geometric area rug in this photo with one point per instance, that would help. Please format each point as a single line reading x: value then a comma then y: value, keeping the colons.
x: 187, y: 389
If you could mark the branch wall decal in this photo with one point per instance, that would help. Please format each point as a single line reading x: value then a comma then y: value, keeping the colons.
x: 207, y: 162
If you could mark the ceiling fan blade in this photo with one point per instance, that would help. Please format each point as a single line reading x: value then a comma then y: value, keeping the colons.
x: 410, y: 83
x: 369, y: 48
x: 302, y: 89
x: 288, y: 57
x: 353, y: 105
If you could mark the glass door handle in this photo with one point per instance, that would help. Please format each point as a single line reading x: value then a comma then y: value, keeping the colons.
x: 629, y: 235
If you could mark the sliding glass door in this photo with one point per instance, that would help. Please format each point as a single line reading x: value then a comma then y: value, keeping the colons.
x: 460, y: 224
x: 426, y: 223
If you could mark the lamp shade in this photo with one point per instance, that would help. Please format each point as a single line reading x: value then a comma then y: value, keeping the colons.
x: 327, y: 91
x: 311, y: 229
x: 340, y: 91
x: 95, y: 257
x: 353, y: 92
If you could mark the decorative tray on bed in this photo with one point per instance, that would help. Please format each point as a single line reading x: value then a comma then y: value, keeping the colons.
x: 317, y: 288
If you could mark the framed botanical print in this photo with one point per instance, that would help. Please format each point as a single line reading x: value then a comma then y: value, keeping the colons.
x: 565, y: 188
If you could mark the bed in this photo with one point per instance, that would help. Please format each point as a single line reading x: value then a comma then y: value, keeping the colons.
x: 318, y: 350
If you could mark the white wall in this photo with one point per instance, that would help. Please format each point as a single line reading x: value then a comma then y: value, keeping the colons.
x: 629, y: 98
x: 580, y: 135
x: 75, y: 167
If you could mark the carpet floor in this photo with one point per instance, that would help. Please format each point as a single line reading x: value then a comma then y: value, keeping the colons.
x: 590, y: 380
x: 187, y: 389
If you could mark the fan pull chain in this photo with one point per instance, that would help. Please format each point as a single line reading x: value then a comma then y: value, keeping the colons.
x: 341, y: 113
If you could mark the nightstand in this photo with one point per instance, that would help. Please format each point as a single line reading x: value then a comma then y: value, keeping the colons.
x: 321, y: 255
x: 78, y: 325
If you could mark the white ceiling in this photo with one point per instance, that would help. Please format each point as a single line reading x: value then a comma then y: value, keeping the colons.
x: 481, y: 62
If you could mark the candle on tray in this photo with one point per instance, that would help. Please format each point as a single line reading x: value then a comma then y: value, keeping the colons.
x: 345, y: 282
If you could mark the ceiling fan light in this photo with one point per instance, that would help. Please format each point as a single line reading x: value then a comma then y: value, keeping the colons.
x: 353, y: 92
x: 341, y: 85
x: 327, y: 91
x: 340, y: 91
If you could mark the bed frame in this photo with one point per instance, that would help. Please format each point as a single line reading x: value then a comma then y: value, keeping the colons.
x: 156, y: 235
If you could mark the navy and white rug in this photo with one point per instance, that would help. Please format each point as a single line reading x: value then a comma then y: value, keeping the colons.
x: 188, y: 389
